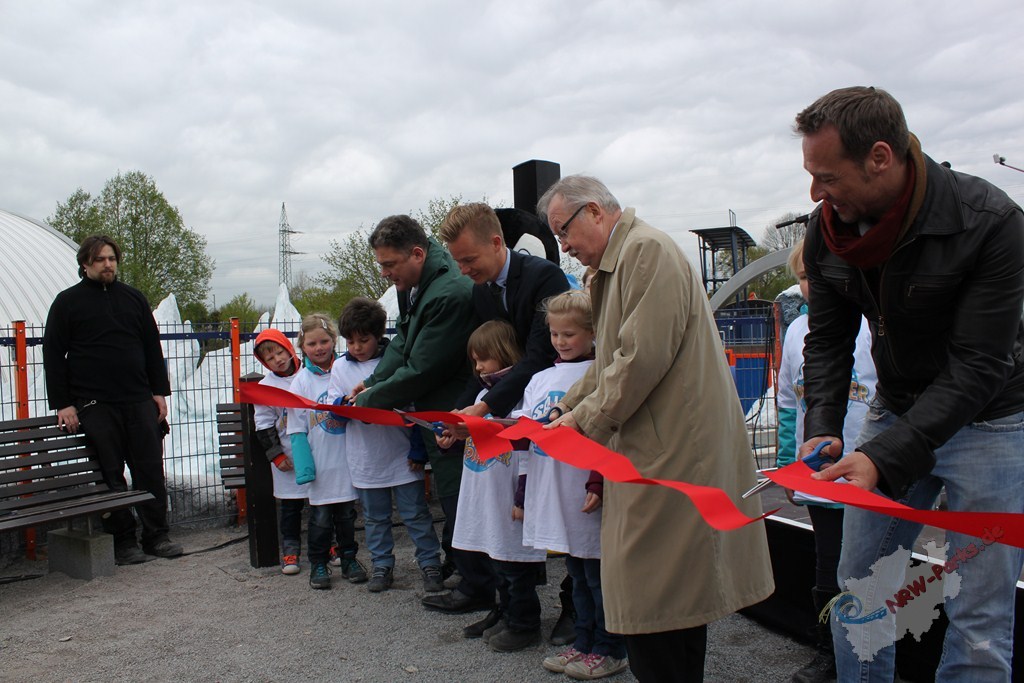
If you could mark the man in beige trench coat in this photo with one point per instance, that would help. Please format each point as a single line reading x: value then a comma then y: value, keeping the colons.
x: 660, y: 393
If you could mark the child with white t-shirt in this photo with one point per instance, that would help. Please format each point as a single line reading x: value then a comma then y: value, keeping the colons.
x: 486, y: 532
x: 560, y: 498
x: 379, y: 458
x: 318, y: 453
x: 276, y: 354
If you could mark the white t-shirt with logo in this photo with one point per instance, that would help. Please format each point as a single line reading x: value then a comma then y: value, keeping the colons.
x: 326, y: 434
x: 486, y: 497
x: 555, y: 491
x: 377, y: 456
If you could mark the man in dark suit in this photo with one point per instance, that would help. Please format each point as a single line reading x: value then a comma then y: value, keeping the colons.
x: 508, y: 286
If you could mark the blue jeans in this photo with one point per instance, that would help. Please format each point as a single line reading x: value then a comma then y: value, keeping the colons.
x: 291, y: 524
x: 411, y: 501
x: 591, y: 635
x: 982, y: 468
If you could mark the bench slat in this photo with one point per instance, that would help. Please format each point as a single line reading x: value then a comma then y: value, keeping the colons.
x: 29, y: 423
x: 100, y: 502
x: 29, y: 446
x: 65, y: 468
x: 46, y: 459
x: 13, y: 497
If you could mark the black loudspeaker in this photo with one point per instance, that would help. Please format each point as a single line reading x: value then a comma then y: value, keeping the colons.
x: 530, y: 180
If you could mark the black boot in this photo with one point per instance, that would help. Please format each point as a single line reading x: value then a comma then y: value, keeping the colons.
x: 822, y: 668
x: 564, y: 631
x: 477, y: 628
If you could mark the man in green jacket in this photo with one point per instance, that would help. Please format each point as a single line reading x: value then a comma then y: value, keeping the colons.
x: 425, y: 364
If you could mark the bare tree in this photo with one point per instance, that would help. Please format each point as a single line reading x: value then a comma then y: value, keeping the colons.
x: 777, y: 239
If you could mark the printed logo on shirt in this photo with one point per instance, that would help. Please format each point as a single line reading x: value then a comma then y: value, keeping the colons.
x: 475, y: 464
x: 541, y: 410
x: 325, y: 419
x: 859, y: 393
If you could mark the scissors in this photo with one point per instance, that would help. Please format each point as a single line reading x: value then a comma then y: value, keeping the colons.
x: 436, y: 427
x: 815, y: 460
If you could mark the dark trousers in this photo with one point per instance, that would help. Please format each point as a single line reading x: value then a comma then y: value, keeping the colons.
x: 479, y: 579
x: 517, y: 594
x: 669, y: 656
x: 339, y: 518
x: 587, y: 598
x: 291, y: 525
x: 449, y: 506
x: 129, y: 434
x: 828, y: 542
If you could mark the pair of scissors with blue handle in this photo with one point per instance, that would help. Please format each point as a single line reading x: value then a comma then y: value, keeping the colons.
x: 436, y: 427
x: 815, y: 460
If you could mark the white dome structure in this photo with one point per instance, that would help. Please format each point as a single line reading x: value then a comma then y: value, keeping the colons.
x: 43, y: 263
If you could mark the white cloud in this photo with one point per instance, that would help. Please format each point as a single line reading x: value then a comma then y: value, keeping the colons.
x: 351, y: 112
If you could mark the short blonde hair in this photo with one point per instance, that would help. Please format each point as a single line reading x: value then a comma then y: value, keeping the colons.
x: 477, y: 218
x: 317, y: 321
x: 574, y: 303
x: 495, y: 340
x: 796, y: 258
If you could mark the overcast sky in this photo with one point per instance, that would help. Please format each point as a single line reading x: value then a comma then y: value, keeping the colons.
x: 349, y: 112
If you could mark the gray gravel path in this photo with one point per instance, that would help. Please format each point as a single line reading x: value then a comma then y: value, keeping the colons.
x: 211, y: 617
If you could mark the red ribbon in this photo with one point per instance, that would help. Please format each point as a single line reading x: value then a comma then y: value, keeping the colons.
x: 713, y: 504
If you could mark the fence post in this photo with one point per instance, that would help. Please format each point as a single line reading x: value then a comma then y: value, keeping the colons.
x: 21, y: 395
x: 236, y: 371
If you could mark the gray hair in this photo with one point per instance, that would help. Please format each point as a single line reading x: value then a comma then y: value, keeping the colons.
x: 578, y: 190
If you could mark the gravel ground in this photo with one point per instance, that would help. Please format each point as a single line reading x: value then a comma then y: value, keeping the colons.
x: 209, y: 616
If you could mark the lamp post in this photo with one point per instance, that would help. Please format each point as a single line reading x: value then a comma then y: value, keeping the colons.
x: 1002, y: 162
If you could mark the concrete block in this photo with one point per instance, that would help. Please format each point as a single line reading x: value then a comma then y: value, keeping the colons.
x: 79, y: 554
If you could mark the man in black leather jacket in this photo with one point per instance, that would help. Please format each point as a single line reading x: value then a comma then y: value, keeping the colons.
x: 935, y: 260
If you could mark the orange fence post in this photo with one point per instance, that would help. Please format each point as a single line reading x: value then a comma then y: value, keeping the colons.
x: 21, y: 395
x: 236, y: 373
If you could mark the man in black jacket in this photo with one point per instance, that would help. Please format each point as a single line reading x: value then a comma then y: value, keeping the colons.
x: 105, y: 374
x: 507, y: 286
x: 935, y: 260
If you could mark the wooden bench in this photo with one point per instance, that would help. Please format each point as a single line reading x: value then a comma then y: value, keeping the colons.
x: 232, y: 445
x: 48, y: 475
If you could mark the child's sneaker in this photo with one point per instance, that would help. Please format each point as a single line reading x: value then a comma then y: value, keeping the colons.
x: 380, y: 579
x: 352, y: 570
x: 334, y: 557
x: 319, y: 576
x: 590, y: 667
x: 290, y: 564
x: 433, y: 581
x: 557, y: 663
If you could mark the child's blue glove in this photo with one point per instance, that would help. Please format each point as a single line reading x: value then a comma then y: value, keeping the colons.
x: 302, y: 459
x: 417, y: 449
x: 340, y: 401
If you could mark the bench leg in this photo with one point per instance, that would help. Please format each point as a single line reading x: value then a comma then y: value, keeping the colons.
x: 80, y: 554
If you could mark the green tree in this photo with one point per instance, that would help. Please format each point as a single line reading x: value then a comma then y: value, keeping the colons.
x: 160, y: 256
x: 243, y: 307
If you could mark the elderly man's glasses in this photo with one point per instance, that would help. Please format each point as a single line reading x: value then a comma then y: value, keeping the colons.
x: 563, y: 232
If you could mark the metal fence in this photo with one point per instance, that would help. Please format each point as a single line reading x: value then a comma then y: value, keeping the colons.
x: 198, y: 360
x: 748, y: 332
x: 199, y: 364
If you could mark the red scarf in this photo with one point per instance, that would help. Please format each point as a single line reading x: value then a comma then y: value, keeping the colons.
x: 875, y: 246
